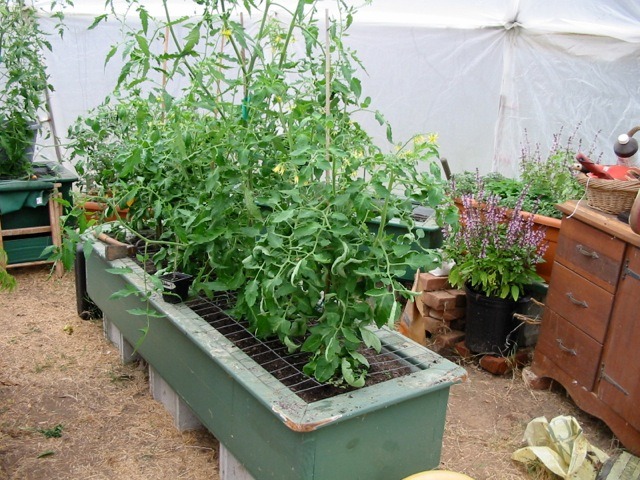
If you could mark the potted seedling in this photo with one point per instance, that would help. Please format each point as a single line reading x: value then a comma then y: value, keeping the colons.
x: 547, y: 180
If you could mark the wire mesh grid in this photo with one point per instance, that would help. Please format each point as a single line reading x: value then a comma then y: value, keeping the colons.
x: 395, y: 360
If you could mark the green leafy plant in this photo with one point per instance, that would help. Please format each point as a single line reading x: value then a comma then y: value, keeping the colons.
x: 495, y: 249
x: 7, y: 281
x: 547, y: 179
x: 317, y: 268
x: 53, y: 432
x: 258, y: 179
x: 23, y: 83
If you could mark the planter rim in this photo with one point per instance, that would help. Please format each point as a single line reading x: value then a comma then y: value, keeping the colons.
x: 537, y: 218
x: 523, y: 299
x: 543, y: 219
x: 426, y: 225
x: 433, y: 371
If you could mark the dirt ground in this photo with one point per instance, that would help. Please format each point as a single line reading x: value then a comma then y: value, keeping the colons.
x: 58, y: 374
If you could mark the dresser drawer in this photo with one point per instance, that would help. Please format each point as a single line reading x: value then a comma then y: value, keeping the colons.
x: 593, y: 254
x: 575, y: 352
x: 580, y: 302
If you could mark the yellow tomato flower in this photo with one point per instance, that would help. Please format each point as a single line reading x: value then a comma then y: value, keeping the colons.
x: 226, y: 33
x: 418, y: 139
x: 432, y: 138
x: 279, y: 169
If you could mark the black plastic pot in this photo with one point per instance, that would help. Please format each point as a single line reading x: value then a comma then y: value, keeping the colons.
x: 176, y: 286
x: 490, y: 326
x: 84, y: 305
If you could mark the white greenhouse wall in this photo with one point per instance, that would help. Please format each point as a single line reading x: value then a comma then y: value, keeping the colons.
x: 479, y: 73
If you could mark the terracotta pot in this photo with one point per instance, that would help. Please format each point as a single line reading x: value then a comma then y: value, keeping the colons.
x: 551, y: 236
x: 94, y: 210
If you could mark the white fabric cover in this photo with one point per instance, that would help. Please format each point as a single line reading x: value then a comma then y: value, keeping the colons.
x: 477, y: 72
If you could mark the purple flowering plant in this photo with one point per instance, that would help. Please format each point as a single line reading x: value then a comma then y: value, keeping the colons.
x: 495, y: 249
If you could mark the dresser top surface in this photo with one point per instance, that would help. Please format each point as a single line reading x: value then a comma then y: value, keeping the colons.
x: 600, y: 220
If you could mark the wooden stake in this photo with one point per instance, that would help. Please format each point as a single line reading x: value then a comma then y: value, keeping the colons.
x: 165, y: 50
x: 327, y: 92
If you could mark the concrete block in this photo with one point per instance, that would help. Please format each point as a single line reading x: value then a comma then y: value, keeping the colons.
x: 230, y: 468
x: 183, y: 416
x: 112, y: 333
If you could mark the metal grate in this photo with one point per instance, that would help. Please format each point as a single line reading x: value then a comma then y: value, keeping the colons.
x: 422, y: 214
x: 391, y: 362
x: 287, y: 367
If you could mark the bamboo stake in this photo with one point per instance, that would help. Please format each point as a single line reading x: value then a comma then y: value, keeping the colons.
x: 52, y: 125
x: 222, y: 45
x: 243, y: 57
x: 327, y: 101
x: 164, y: 63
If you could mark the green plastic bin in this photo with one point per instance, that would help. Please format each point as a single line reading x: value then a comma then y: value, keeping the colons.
x: 24, y: 204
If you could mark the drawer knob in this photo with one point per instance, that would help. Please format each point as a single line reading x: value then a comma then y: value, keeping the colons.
x: 587, y: 253
x: 575, y: 301
x: 570, y: 351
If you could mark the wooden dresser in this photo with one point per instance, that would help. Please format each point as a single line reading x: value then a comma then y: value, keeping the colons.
x: 590, y: 335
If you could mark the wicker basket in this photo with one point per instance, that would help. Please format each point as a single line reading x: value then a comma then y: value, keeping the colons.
x: 610, y: 196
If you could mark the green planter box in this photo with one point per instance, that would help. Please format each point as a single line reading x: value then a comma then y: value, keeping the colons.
x: 24, y: 204
x: 386, y: 431
x: 424, y: 221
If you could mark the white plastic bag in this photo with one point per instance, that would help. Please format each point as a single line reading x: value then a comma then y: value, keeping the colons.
x: 562, y: 448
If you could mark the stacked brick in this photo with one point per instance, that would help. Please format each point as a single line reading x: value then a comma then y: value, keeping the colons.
x: 436, y: 317
x: 436, y: 320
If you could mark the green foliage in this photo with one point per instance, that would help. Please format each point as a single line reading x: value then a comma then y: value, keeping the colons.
x: 548, y: 181
x: 258, y: 179
x: 7, y: 281
x: 53, y: 432
x: 23, y: 83
x: 23, y: 80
